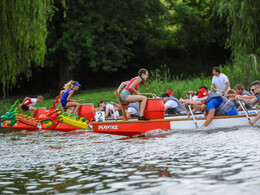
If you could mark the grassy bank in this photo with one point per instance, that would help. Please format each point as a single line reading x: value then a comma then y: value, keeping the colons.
x: 179, y: 87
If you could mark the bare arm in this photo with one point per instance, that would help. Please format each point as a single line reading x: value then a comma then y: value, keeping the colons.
x: 212, y: 86
x: 227, y: 86
x: 24, y: 100
x: 210, y: 117
x: 123, y: 84
x: 255, y: 119
x: 246, y: 100
x: 69, y: 96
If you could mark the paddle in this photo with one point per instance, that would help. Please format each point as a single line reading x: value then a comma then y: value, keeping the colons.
x: 146, y: 93
x: 244, y: 109
x: 189, y: 106
x: 79, y: 100
x: 217, y: 90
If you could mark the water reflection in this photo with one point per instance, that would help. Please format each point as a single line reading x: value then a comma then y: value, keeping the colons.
x: 194, y: 162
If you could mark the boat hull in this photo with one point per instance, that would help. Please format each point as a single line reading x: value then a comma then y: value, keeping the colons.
x: 134, y: 128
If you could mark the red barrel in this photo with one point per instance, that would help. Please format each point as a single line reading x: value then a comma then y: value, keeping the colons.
x: 87, y: 111
x: 154, y: 108
x: 40, y: 110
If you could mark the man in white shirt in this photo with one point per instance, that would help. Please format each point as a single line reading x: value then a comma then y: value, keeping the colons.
x: 172, y: 105
x: 220, y: 81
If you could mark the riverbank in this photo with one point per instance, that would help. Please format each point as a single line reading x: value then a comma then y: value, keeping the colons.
x: 178, y: 87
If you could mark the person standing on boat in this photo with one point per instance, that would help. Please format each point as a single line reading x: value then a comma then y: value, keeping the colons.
x: 28, y: 104
x: 220, y: 81
x: 131, y: 87
x: 256, y: 89
x: 217, y: 105
x: 67, y: 93
x: 172, y: 105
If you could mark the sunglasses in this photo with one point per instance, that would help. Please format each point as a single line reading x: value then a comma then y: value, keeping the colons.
x: 254, y: 89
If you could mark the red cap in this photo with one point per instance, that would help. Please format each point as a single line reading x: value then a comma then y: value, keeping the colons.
x: 169, y: 92
x: 203, y: 94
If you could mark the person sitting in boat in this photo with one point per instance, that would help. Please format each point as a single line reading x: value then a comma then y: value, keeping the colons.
x: 217, y: 105
x: 67, y: 93
x: 28, y: 104
x: 231, y: 95
x: 172, y: 105
x: 240, y: 91
x: 256, y: 89
x: 132, y: 110
x: 131, y: 87
x: 195, y: 103
x: 110, y: 108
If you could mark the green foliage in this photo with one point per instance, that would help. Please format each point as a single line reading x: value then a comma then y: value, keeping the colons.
x: 22, y: 38
x: 101, y: 33
x: 243, y: 20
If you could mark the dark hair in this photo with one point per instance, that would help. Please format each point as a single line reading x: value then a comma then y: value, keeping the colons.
x: 165, y: 95
x: 142, y: 71
x: 216, y: 69
x: 238, y: 86
x: 204, y: 87
x: 254, y: 83
x: 101, y: 101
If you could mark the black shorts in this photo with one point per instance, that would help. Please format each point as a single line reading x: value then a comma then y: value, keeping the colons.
x: 24, y: 107
x: 64, y: 105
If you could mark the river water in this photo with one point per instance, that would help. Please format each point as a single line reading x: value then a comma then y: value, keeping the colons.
x: 177, y: 162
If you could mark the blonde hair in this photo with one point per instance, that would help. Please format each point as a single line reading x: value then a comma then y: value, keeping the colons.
x: 69, y: 84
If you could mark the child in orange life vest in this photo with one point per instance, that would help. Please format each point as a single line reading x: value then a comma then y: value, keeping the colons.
x: 28, y: 104
x: 131, y: 87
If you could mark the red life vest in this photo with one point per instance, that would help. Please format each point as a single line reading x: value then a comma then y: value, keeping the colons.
x: 28, y: 102
x: 130, y: 83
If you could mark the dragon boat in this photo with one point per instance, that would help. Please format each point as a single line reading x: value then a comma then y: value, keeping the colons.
x: 154, y: 110
x: 52, y: 119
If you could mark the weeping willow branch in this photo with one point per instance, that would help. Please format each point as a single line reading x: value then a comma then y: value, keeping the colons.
x: 22, y: 38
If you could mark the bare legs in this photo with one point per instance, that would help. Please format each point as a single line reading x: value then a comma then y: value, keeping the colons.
x: 33, y: 110
x: 137, y: 98
x: 75, y: 105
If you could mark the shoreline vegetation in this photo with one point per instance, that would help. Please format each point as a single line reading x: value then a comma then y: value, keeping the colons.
x: 160, y: 80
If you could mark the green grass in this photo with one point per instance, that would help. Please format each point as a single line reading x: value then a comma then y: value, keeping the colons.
x: 178, y: 87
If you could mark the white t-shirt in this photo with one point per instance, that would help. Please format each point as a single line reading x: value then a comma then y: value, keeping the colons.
x: 132, y: 110
x: 31, y: 102
x: 171, y: 104
x: 220, y: 82
x: 110, y: 108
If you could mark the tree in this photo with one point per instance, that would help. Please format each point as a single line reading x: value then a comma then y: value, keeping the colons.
x: 22, y: 38
x: 99, y: 35
x: 243, y: 20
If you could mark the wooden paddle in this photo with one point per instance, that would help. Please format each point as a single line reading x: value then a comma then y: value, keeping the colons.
x: 146, y: 93
x: 217, y: 90
x: 79, y: 100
